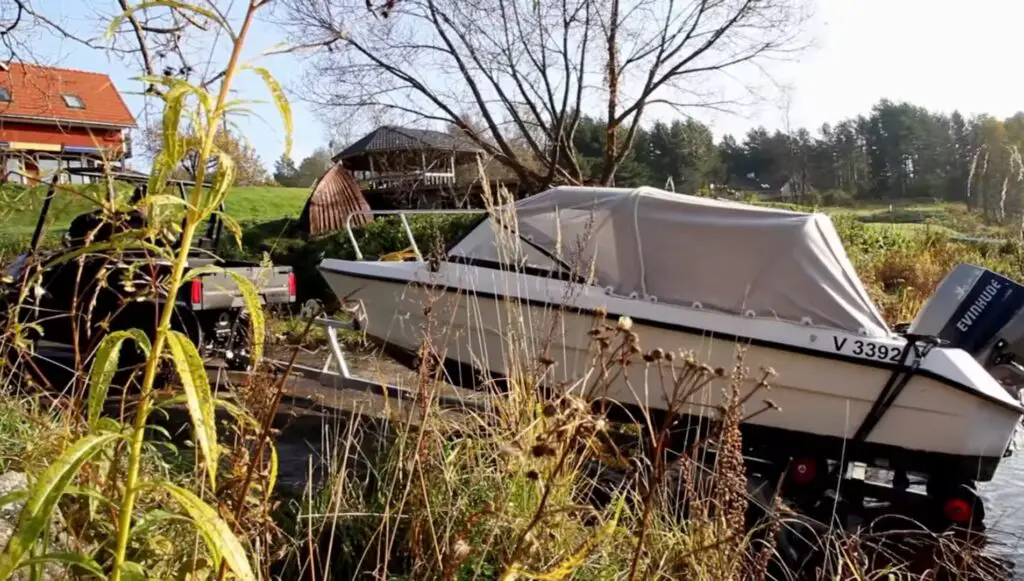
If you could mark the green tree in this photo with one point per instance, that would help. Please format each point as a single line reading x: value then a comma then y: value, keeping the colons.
x: 285, y: 172
x: 682, y: 150
x: 248, y: 165
x: 312, y: 167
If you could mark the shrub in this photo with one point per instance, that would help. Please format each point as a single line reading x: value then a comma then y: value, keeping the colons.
x: 286, y: 245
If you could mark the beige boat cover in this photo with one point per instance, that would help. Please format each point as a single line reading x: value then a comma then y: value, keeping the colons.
x: 692, y: 251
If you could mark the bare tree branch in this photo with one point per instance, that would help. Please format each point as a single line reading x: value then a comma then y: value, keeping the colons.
x: 527, y: 69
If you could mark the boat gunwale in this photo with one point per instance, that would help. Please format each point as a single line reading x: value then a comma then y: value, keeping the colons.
x: 744, y: 339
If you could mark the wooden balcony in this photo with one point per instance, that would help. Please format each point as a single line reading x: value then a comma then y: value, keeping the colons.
x: 404, y: 180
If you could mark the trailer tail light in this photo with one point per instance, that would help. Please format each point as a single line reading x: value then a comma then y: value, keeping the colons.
x: 197, y: 292
x: 957, y: 510
x: 803, y: 470
x: 291, y: 285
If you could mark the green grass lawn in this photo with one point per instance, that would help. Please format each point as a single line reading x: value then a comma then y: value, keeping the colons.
x: 912, y: 228
x: 19, y: 210
x: 258, y: 204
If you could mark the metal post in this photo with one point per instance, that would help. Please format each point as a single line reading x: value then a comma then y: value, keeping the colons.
x: 412, y: 241
x: 352, y: 237
x: 37, y: 235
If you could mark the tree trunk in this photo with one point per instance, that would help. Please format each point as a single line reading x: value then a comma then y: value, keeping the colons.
x: 611, y: 145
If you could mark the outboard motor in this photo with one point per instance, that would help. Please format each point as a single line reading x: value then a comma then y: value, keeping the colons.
x: 982, y: 313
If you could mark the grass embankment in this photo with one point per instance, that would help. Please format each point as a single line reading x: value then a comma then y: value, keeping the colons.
x: 20, y: 207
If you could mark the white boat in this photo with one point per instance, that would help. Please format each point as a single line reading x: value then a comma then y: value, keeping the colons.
x: 703, y: 275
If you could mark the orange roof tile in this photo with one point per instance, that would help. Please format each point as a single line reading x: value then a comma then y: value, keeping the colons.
x: 37, y: 93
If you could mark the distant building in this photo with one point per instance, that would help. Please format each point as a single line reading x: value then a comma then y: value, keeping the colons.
x: 781, y: 188
x: 405, y: 168
x: 53, y: 117
x: 392, y: 157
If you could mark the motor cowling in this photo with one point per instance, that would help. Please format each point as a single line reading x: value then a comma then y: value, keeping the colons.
x: 982, y: 313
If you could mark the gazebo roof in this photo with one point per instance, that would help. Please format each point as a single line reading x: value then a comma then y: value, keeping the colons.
x: 388, y: 138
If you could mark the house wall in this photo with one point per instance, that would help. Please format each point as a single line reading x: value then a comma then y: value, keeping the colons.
x: 55, y: 135
x: 29, y: 151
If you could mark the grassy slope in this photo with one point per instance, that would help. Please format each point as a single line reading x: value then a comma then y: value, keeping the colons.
x: 18, y: 213
x: 20, y: 210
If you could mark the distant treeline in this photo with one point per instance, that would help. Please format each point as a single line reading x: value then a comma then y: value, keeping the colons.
x: 897, y: 150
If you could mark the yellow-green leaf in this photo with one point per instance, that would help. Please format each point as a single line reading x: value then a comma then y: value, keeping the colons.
x: 217, y: 534
x: 131, y: 571
x: 164, y: 200
x: 68, y: 559
x: 175, y: 4
x: 120, y: 243
x: 272, y: 477
x: 233, y: 227
x: 44, y: 495
x: 198, y: 397
x: 174, y: 104
x: 104, y: 365
x: 284, y: 108
x: 222, y: 181
x: 236, y: 412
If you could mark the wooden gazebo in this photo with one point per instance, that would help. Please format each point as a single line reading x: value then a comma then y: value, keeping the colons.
x: 400, y: 158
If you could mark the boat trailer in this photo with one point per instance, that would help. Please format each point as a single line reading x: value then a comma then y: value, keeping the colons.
x: 829, y: 490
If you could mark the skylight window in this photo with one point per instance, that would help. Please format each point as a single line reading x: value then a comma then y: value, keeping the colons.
x: 73, y: 101
x: 5, y: 95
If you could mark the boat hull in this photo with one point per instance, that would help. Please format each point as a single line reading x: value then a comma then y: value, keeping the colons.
x: 930, y: 424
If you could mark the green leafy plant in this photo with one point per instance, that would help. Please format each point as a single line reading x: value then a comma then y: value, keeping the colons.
x: 108, y: 446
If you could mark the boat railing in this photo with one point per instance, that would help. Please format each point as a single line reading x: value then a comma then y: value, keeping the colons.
x: 403, y: 217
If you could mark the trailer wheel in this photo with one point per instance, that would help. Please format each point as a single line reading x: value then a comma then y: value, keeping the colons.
x: 959, y: 503
x: 806, y: 477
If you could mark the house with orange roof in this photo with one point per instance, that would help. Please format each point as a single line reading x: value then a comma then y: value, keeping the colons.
x: 53, y: 118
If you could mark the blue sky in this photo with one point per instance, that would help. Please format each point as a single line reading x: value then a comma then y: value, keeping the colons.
x: 942, y: 54
x: 264, y: 129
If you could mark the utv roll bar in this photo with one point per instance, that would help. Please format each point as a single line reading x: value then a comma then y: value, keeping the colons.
x: 141, y: 182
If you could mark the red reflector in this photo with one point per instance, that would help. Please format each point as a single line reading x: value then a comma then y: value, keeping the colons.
x: 803, y: 470
x: 291, y: 284
x: 197, y: 291
x: 957, y: 510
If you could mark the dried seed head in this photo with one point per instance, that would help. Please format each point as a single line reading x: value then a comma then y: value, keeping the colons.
x: 669, y: 356
x: 541, y: 450
x: 768, y: 371
x: 461, y: 550
x: 549, y: 410
x: 546, y: 361
x: 533, y: 475
x: 508, y: 451
x: 625, y: 323
x: 772, y: 405
x: 600, y: 312
x: 604, y: 342
x: 720, y: 372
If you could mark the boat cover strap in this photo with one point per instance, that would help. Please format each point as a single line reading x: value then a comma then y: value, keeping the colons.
x: 918, y: 346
